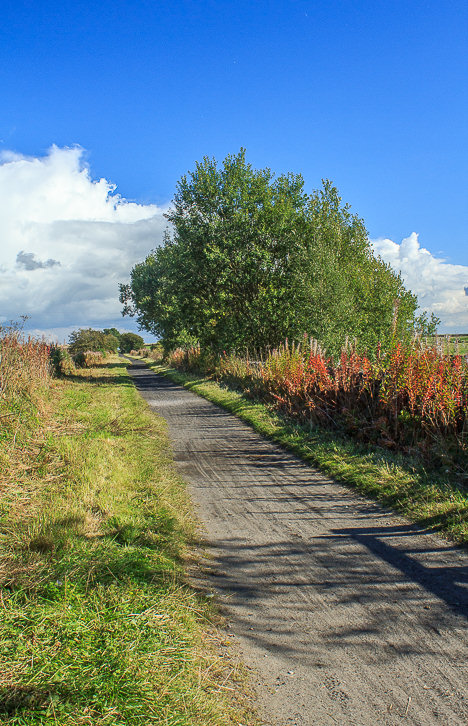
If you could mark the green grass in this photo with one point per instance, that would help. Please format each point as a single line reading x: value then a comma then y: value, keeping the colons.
x: 432, y: 499
x: 453, y: 343
x: 97, y: 623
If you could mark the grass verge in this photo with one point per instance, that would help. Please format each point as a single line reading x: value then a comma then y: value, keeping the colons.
x: 433, y: 500
x: 97, y: 625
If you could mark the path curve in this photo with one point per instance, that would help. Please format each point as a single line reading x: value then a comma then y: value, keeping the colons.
x: 347, y: 614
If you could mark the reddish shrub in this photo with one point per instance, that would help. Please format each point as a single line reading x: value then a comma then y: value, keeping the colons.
x: 413, y: 396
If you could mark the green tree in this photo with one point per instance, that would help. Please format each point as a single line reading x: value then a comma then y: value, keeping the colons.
x: 87, y: 339
x: 130, y: 341
x: 112, y: 331
x: 253, y: 259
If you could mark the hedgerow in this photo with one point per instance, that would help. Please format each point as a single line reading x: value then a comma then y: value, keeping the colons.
x: 413, y: 398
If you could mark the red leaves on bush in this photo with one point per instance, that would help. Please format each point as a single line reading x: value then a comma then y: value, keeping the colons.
x: 419, y: 392
x: 409, y: 397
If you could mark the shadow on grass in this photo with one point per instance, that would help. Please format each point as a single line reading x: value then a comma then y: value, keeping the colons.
x: 121, y: 380
x: 91, y: 573
x: 145, y: 552
x: 16, y: 698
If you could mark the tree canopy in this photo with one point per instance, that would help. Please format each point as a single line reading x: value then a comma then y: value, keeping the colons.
x: 252, y: 259
x: 87, y: 339
x: 130, y: 341
x: 112, y: 331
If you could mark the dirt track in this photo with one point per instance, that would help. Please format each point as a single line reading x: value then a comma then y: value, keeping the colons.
x: 347, y: 614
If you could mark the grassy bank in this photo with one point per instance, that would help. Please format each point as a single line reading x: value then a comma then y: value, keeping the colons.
x: 432, y: 499
x: 97, y: 625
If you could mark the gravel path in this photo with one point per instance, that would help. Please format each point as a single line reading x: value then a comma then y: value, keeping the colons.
x: 346, y: 613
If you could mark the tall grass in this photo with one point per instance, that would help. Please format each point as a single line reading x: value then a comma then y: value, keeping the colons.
x: 414, y: 398
x: 98, y: 626
x: 24, y: 376
x: 24, y: 366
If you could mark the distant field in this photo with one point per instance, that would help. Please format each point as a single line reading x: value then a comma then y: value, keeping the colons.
x: 454, y: 343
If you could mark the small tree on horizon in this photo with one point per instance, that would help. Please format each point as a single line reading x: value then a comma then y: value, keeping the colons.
x: 87, y: 339
x: 130, y: 341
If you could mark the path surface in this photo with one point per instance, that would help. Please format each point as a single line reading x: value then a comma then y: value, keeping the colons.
x: 347, y: 614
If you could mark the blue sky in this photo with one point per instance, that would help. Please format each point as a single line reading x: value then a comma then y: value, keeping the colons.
x: 372, y: 95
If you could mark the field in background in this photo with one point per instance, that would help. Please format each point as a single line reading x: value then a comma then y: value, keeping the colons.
x: 98, y: 625
x: 454, y: 343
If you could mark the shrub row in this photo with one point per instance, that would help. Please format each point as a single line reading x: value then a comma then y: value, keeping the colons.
x: 63, y: 363
x: 414, y: 398
x: 24, y: 368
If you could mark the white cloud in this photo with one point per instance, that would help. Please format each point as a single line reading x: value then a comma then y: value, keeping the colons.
x: 439, y: 285
x: 66, y: 241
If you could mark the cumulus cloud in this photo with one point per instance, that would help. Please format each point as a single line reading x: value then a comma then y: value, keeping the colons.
x: 67, y: 240
x: 441, y: 287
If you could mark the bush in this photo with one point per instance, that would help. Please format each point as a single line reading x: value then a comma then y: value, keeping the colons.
x: 88, y: 359
x: 130, y: 341
x: 156, y: 352
x: 87, y: 339
x: 61, y: 360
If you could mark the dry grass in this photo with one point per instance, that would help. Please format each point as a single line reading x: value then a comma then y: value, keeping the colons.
x: 24, y: 382
x: 98, y: 625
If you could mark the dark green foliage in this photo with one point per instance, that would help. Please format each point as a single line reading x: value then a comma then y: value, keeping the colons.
x: 61, y: 360
x: 130, y: 341
x: 112, y: 331
x: 87, y: 339
x: 253, y: 260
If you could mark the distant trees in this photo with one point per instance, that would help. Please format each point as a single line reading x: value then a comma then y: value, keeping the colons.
x: 130, y: 341
x: 108, y: 340
x: 253, y: 260
x: 112, y: 331
x: 87, y: 339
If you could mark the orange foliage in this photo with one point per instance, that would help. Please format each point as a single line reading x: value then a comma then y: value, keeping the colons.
x: 409, y: 397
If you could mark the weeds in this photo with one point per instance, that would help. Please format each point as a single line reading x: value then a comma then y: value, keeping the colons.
x: 414, y: 399
x: 328, y: 414
x: 98, y: 626
x: 24, y: 368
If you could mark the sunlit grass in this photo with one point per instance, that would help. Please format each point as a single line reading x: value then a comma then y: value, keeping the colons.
x: 98, y: 625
